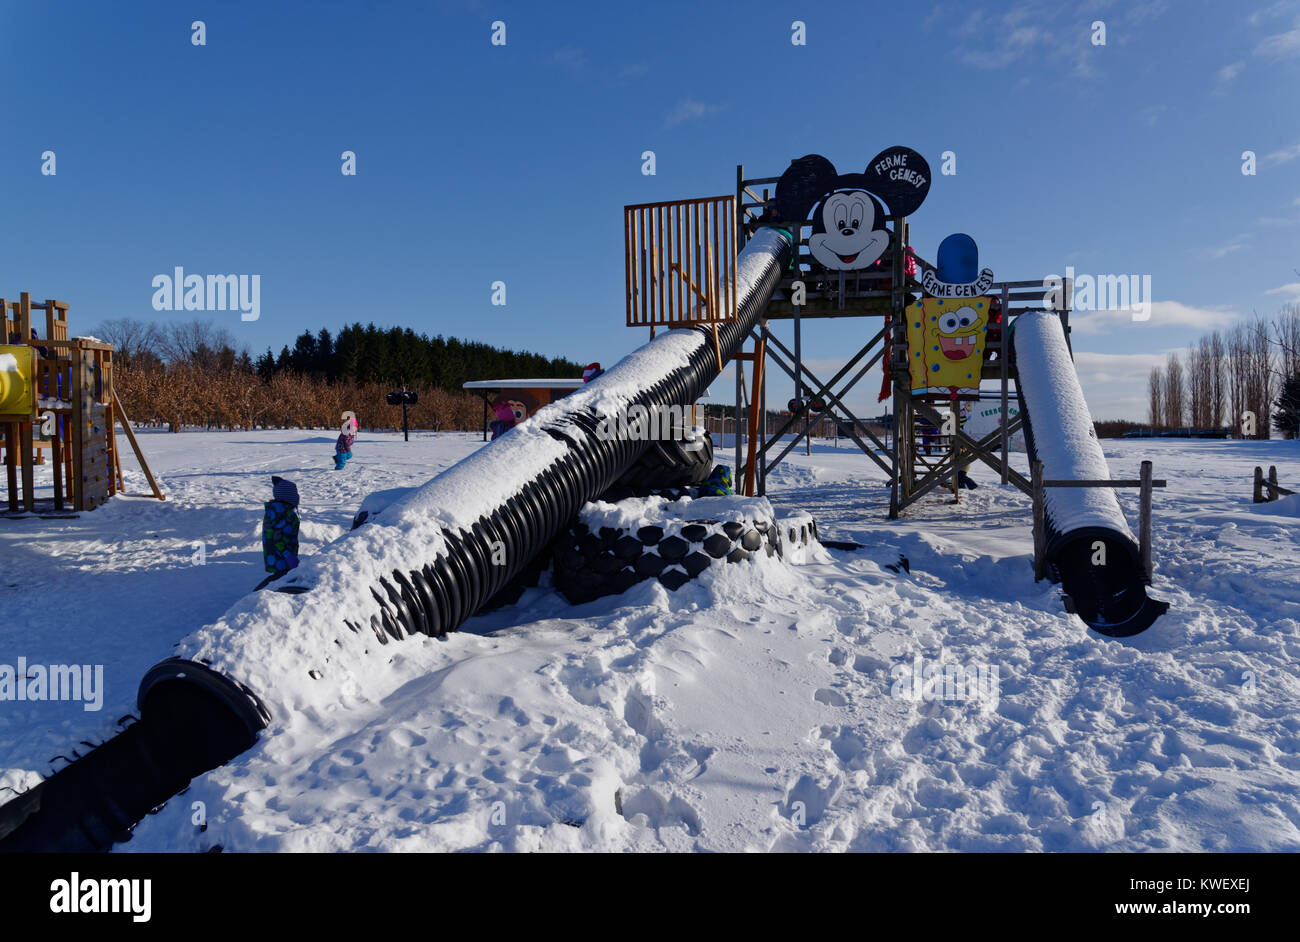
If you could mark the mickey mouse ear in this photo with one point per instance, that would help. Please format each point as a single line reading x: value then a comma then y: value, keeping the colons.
x: 901, y: 177
x: 804, y: 182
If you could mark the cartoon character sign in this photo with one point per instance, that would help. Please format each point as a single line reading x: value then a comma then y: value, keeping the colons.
x: 849, y: 210
x: 946, y: 334
x: 946, y: 340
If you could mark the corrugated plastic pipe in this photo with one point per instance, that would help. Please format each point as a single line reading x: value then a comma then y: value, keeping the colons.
x: 195, y: 719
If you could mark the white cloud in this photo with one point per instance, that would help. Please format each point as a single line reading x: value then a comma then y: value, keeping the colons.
x: 1115, y: 384
x: 1275, y: 9
x: 688, y: 109
x: 1164, y: 314
x: 569, y: 58
x: 1280, y: 45
x: 1235, y: 244
x: 1292, y: 290
x: 1230, y: 71
x: 1151, y: 114
x: 1283, y: 156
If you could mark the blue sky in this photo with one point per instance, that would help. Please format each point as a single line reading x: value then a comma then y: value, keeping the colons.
x: 478, y: 162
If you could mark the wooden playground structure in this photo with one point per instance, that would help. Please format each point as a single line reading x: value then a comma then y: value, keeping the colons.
x: 680, y: 271
x: 57, y: 397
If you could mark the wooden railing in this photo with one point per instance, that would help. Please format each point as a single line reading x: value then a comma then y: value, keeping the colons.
x: 681, y: 262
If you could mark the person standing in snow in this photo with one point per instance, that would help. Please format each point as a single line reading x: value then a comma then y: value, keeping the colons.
x: 343, y: 447
x: 280, y: 530
x: 505, y: 419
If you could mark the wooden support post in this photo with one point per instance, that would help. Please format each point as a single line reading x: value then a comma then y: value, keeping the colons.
x: 755, y: 400
x: 735, y: 426
x: 1259, y: 485
x: 11, y: 463
x: 135, y: 446
x: 1040, y: 522
x: 761, y: 379
x: 56, y: 453
x: 1273, y: 490
x: 1144, y: 521
x: 23, y: 317
x: 77, y: 443
x: 117, y: 468
x: 28, y: 471
x: 956, y: 474
x: 1003, y: 349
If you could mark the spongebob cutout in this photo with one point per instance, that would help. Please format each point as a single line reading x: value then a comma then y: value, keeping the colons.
x: 945, y: 342
x: 945, y: 333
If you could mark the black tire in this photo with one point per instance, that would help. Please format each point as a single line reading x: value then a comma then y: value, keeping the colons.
x: 668, y: 464
x: 587, y: 565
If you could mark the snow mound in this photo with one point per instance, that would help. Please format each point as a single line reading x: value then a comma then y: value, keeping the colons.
x: 636, y: 512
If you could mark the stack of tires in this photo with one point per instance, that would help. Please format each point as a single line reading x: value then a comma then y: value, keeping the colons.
x: 589, y: 562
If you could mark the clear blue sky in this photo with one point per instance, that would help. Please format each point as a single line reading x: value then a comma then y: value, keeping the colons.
x: 477, y: 163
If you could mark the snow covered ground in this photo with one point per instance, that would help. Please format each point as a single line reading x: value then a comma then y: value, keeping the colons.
x: 762, y: 708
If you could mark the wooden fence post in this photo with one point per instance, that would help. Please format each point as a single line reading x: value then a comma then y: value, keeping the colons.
x: 1144, y: 522
x: 1040, y: 517
x: 1273, y: 492
x: 1259, y: 485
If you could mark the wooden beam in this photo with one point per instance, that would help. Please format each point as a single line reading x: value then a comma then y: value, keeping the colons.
x: 28, y: 471
x: 1112, y: 482
x: 1144, y: 522
x: 135, y: 446
x: 755, y: 409
x: 11, y: 463
x: 1040, y: 518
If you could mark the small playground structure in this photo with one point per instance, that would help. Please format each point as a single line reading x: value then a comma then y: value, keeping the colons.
x: 57, y: 397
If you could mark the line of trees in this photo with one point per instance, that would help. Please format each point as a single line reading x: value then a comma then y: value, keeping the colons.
x: 195, y: 374
x: 1229, y: 373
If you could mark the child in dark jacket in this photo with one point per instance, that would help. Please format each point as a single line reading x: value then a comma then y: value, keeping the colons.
x: 343, y: 447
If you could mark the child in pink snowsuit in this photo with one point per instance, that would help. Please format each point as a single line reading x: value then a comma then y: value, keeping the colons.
x: 343, y: 447
x: 505, y: 419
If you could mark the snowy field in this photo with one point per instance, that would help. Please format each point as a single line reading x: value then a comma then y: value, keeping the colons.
x: 757, y: 709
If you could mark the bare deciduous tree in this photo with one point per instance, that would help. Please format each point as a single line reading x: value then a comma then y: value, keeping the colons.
x: 135, y: 342
x: 1175, y: 392
x: 1156, y: 392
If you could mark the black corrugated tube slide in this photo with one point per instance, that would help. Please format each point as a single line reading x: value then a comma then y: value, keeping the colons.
x: 194, y: 719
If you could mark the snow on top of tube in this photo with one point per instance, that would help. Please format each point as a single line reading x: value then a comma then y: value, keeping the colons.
x: 1062, y: 427
x: 267, y: 630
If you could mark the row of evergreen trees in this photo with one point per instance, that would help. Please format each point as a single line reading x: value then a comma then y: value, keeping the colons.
x: 399, y: 355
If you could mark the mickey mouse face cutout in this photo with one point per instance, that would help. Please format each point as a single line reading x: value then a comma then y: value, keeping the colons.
x: 848, y: 219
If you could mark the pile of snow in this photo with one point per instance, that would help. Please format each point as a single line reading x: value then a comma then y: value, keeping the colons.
x: 764, y: 708
x: 636, y: 512
x: 1288, y: 506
